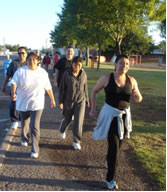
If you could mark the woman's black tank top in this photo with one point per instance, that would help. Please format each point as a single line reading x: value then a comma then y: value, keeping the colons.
x: 118, y: 97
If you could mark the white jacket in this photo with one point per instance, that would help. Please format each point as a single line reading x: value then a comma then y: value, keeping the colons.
x: 105, y: 118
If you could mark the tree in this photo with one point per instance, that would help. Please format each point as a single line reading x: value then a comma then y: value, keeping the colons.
x: 103, y: 22
x: 163, y: 28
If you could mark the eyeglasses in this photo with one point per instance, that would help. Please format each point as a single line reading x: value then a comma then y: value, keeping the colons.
x: 21, y: 53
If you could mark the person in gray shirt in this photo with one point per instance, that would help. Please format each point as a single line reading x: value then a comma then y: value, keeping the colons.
x: 14, y: 65
x: 73, y: 96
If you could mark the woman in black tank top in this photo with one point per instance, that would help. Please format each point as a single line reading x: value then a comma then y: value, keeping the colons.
x: 118, y: 87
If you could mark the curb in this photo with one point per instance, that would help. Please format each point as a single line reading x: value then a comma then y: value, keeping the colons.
x: 4, y: 147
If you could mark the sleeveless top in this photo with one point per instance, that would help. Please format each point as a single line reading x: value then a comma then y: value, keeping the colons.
x: 118, y: 97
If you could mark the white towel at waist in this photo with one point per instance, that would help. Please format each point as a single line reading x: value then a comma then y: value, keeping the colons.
x: 105, y: 118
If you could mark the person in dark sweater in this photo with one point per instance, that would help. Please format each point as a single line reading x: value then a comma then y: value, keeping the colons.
x: 73, y: 96
x: 114, y: 121
x: 63, y: 64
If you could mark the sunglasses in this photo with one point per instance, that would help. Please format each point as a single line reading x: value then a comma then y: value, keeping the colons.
x: 21, y: 53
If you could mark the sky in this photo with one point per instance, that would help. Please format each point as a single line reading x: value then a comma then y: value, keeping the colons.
x: 29, y: 22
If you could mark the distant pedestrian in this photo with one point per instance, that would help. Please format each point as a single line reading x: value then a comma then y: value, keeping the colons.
x: 114, y: 121
x: 14, y: 65
x: 30, y: 83
x: 55, y: 61
x: 39, y: 57
x: 6, y: 64
x: 73, y: 96
x: 63, y: 64
x: 46, y: 61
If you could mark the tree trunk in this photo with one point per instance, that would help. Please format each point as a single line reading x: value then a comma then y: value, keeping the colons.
x: 118, y: 47
x: 99, y: 54
x: 87, y: 56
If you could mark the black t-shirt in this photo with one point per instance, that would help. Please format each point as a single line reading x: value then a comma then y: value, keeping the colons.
x: 118, y: 97
x: 62, y: 65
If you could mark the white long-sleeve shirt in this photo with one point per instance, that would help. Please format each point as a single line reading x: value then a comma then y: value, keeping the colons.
x: 104, y: 121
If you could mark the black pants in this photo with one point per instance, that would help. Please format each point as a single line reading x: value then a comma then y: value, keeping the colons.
x: 14, y: 114
x: 114, y: 145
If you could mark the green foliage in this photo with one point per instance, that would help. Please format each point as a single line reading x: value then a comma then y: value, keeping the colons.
x: 12, y: 47
x: 104, y: 22
x: 44, y: 50
x: 163, y: 28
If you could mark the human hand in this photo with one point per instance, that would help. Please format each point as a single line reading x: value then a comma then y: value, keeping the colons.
x: 14, y: 96
x: 61, y: 106
x: 92, y: 113
x: 3, y: 88
x: 136, y: 96
x: 88, y: 105
x: 53, y: 104
x: 55, y: 84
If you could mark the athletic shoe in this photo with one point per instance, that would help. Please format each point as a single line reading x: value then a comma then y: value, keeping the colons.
x: 34, y: 155
x: 77, y: 146
x: 63, y: 135
x: 14, y: 125
x: 19, y: 124
x: 106, y: 164
x: 112, y: 185
x: 24, y: 144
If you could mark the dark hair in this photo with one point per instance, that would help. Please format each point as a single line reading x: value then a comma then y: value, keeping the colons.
x: 22, y: 48
x: 77, y: 60
x: 121, y: 56
x: 69, y: 47
x: 33, y: 54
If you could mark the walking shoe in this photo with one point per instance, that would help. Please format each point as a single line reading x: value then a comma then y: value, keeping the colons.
x: 14, y: 125
x: 77, y: 146
x: 34, y: 155
x: 106, y: 164
x: 19, y: 124
x: 24, y: 144
x: 62, y: 135
x: 112, y: 185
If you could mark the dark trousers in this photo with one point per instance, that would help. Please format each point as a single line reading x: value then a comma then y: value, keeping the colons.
x: 114, y: 145
x: 54, y: 68
x: 30, y: 120
x: 14, y: 114
x: 78, y: 110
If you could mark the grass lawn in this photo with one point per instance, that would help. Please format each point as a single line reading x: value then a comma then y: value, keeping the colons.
x: 148, y: 138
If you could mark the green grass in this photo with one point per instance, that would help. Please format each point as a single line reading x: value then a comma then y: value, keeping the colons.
x: 149, y: 117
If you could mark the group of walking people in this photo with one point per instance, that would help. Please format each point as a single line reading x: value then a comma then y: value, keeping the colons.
x: 29, y: 83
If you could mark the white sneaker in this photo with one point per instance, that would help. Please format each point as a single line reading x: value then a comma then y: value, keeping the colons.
x: 63, y: 135
x: 106, y: 164
x: 19, y: 124
x: 14, y: 125
x: 24, y: 144
x: 34, y: 155
x: 76, y: 146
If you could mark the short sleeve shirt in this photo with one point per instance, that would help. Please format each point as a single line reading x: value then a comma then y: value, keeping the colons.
x: 14, y: 65
x: 31, y: 86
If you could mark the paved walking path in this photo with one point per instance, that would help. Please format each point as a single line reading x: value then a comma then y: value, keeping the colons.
x: 59, y: 167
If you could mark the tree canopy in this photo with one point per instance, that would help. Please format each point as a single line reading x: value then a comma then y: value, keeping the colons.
x: 100, y: 23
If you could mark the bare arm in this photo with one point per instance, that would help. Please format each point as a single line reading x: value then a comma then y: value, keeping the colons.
x: 13, y: 92
x: 50, y: 93
x: 5, y: 83
x: 102, y: 83
x: 56, y: 78
x: 137, y: 97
